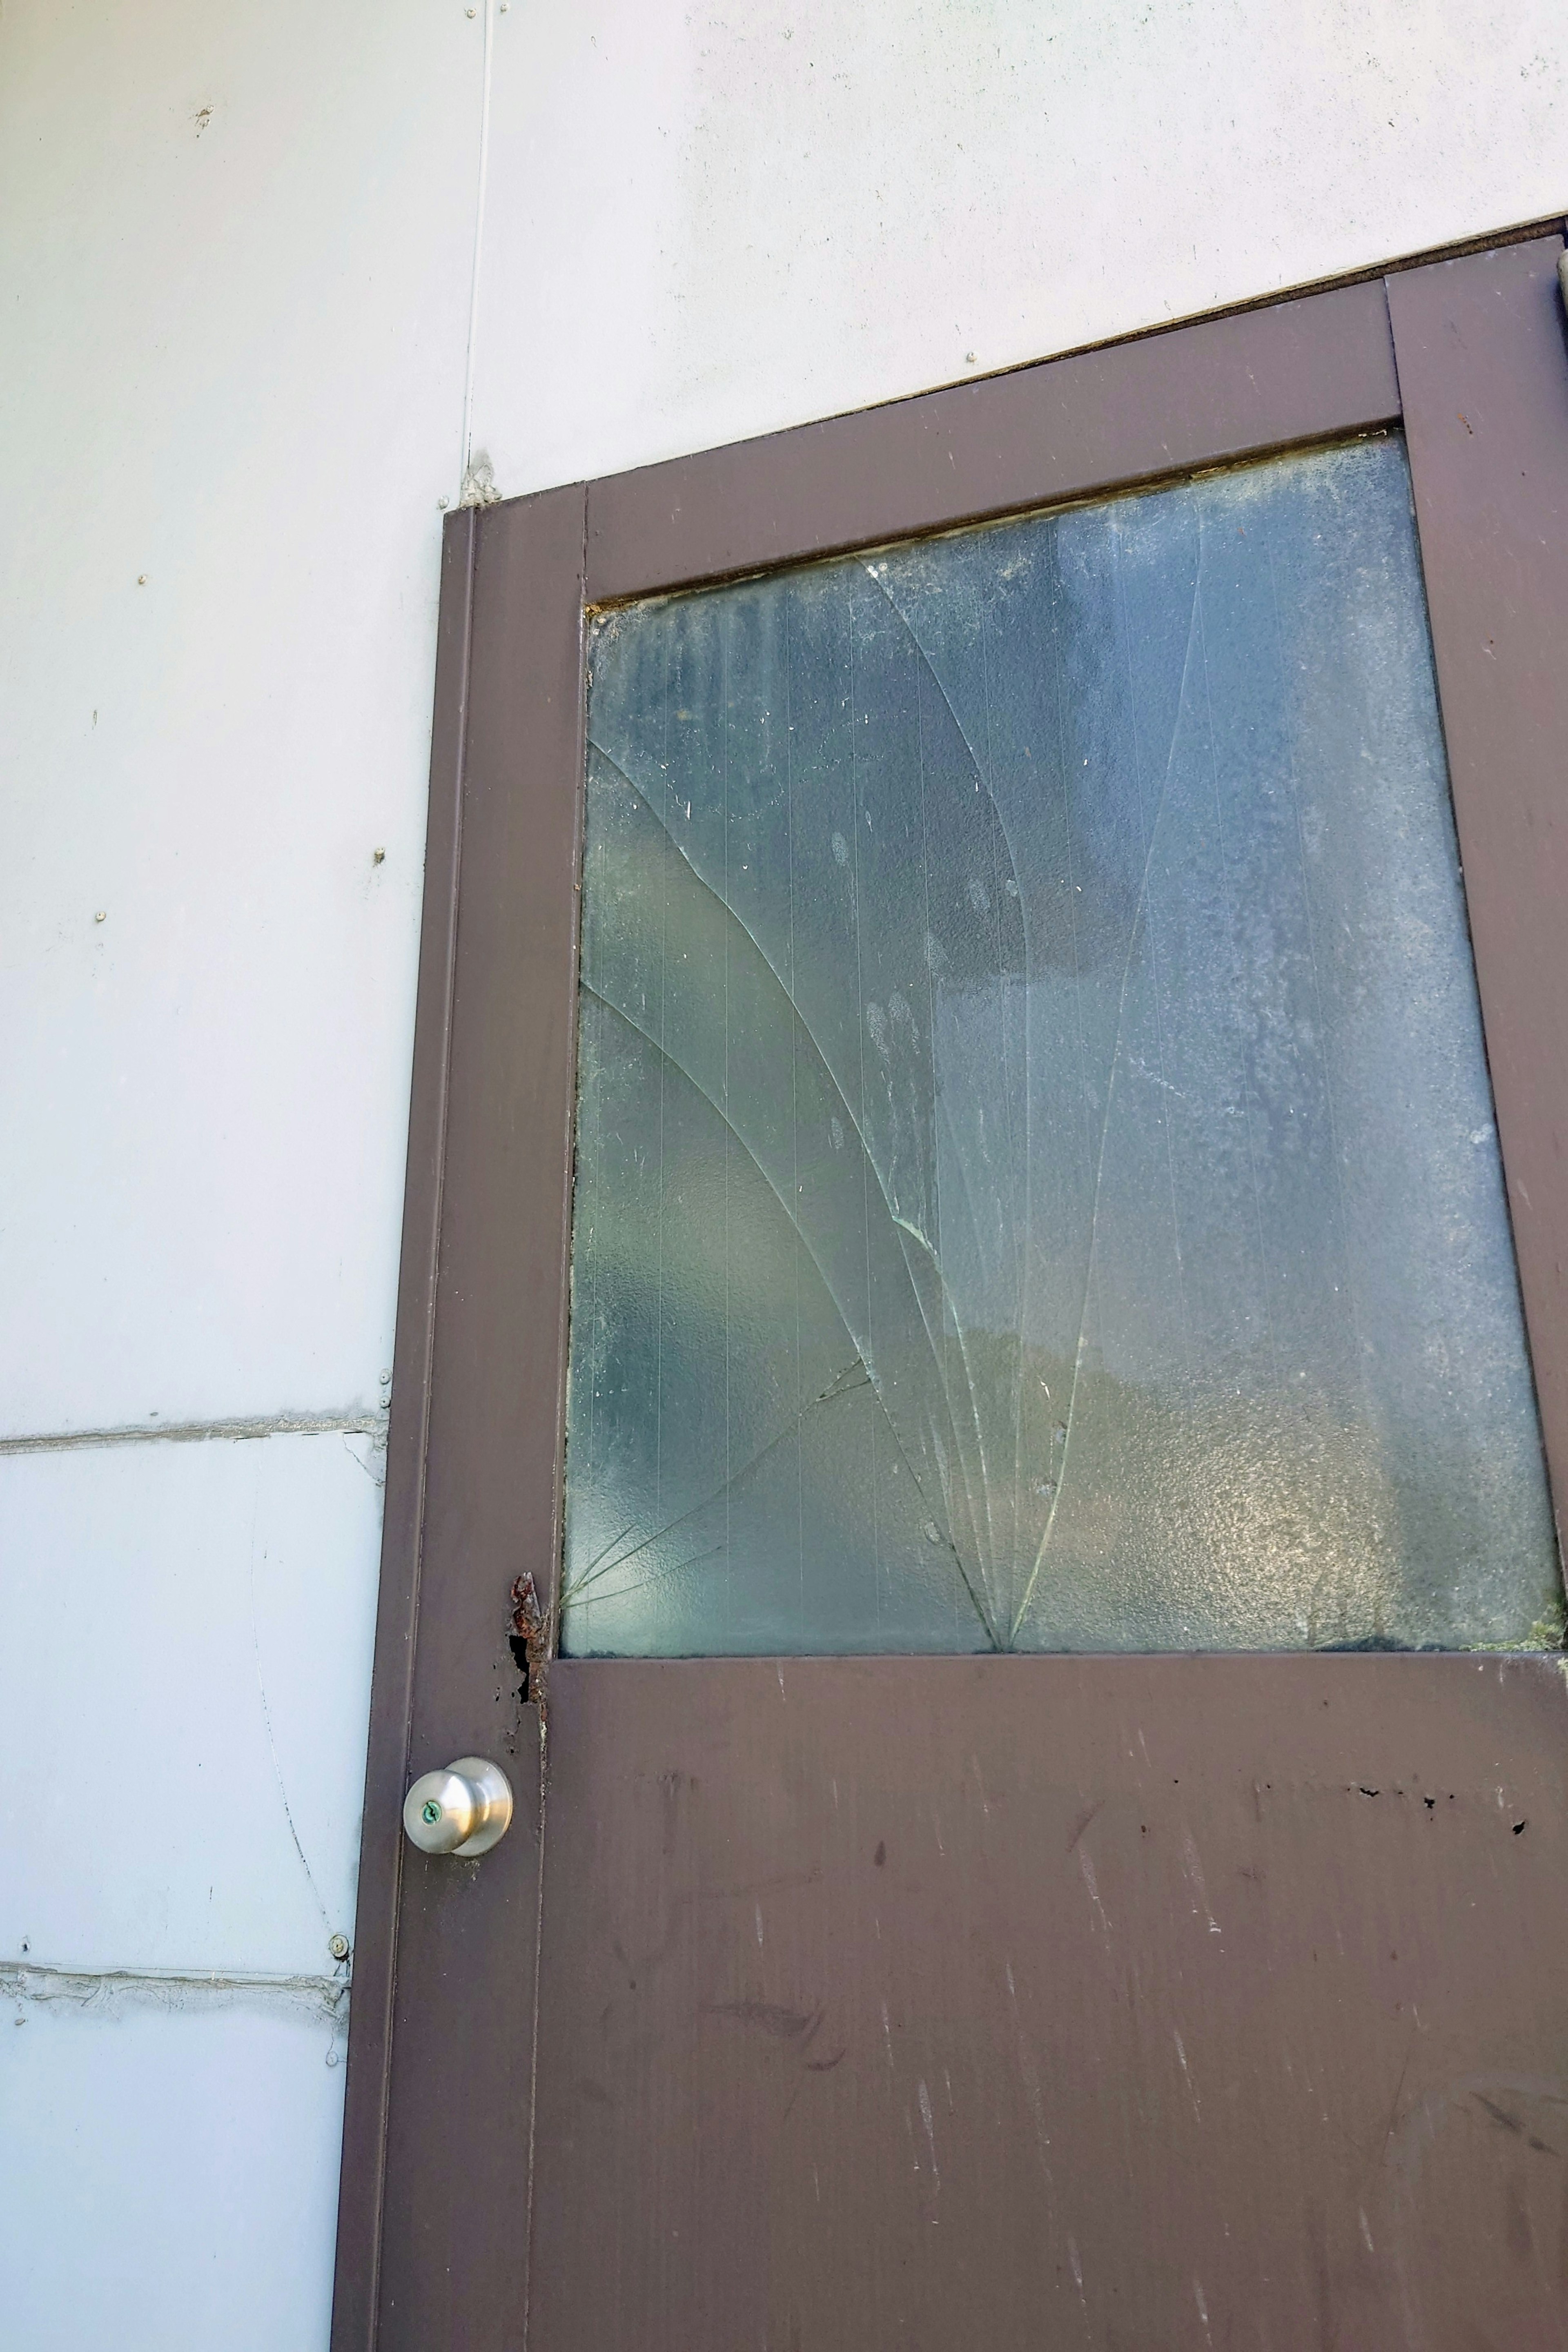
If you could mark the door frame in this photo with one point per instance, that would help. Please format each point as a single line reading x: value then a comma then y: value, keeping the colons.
x: 1468, y: 355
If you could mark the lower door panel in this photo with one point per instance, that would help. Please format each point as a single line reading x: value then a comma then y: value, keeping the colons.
x: 905, y: 2005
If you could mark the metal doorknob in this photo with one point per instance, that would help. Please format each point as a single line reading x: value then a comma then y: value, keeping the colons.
x: 465, y: 1809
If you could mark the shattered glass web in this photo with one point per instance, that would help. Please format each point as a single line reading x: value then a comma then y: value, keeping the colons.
x: 1036, y: 1186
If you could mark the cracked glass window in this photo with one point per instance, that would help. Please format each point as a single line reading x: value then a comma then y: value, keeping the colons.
x: 1036, y: 1186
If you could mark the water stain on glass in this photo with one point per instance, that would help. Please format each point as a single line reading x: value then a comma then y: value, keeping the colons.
x: 1036, y: 1187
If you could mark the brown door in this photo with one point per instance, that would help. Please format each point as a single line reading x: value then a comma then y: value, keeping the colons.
x: 980, y: 1241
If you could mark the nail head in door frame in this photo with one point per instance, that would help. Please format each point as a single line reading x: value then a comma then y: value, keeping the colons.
x: 1469, y: 355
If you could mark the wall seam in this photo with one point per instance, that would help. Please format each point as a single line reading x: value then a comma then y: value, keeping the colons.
x: 200, y: 1433
x: 52, y: 1984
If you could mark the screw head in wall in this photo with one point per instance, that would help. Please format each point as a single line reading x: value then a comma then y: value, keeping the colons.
x: 141, y: 580
x: 339, y: 1946
x: 101, y: 916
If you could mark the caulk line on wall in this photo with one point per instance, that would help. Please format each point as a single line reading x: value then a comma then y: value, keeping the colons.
x: 111, y: 1991
x: 199, y: 1433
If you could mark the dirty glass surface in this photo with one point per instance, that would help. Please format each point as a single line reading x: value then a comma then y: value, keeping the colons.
x: 1036, y: 1186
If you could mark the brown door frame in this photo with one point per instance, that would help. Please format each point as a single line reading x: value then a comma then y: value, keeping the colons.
x: 1468, y: 355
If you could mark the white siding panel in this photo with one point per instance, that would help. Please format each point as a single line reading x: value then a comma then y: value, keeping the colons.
x: 244, y: 334
x: 168, y: 2177
x: 183, y: 1690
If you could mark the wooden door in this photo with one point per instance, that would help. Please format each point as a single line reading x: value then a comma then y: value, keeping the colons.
x: 904, y: 2001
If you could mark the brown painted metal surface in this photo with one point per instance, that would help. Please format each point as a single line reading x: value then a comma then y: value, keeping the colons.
x: 1483, y: 368
x: 1019, y: 2002
x: 355, y: 2283
x: 442, y: 2259
x: 1298, y: 372
x: 453, y: 2254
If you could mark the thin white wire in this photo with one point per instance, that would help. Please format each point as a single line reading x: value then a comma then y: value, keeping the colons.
x: 467, y: 451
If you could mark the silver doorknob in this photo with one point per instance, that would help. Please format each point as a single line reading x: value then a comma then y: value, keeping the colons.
x: 465, y: 1809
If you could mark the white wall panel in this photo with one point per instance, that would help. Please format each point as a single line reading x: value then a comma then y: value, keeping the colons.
x: 184, y: 1689
x: 235, y: 281
x: 168, y: 2177
x: 709, y: 221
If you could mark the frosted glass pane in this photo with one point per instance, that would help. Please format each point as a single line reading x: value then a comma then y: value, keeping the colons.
x: 1036, y: 1186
